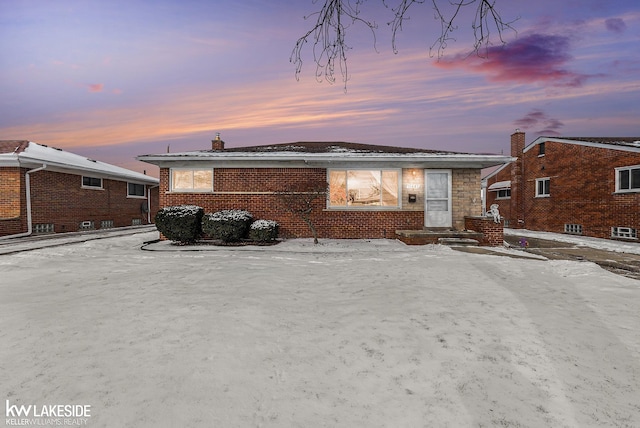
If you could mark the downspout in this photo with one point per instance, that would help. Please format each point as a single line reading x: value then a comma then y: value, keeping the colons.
x: 27, y: 185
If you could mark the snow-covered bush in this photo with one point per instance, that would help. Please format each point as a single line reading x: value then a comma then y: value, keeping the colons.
x: 264, y: 230
x: 182, y: 223
x: 227, y: 225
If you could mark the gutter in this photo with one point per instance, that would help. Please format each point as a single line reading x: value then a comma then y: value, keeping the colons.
x: 27, y: 185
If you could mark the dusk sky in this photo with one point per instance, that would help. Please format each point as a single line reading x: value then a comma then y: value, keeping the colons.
x: 114, y: 79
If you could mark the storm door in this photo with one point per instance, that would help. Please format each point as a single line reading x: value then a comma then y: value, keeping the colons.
x: 437, y: 197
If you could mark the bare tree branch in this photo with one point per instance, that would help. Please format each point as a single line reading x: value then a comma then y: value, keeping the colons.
x: 328, y: 38
x: 333, y: 20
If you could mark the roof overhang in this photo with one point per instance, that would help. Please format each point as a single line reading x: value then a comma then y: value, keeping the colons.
x: 625, y: 148
x: 323, y: 160
x: 87, y: 167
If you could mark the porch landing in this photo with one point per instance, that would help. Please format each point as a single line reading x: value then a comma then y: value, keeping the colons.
x: 434, y: 236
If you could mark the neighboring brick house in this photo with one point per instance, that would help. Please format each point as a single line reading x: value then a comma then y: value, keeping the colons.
x: 586, y: 186
x: 48, y: 190
x: 373, y: 190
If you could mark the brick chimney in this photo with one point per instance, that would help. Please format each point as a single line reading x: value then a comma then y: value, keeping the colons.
x: 517, y: 181
x: 517, y: 143
x: 217, y: 144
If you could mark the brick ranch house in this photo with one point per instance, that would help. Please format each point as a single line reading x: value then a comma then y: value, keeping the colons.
x: 373, y: 190
x: 48, y: 190
x: 585, y: 186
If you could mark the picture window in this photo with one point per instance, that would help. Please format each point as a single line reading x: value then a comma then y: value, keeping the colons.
x: 364, y: 188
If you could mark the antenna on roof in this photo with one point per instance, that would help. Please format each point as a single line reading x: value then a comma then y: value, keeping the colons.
x: 168, y: 145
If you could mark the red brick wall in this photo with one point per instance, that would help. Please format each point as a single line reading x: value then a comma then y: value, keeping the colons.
x: 504, y: 205
x: 582, y: 190
x: 249, y: 189
x: 60, y: 199
x: 492, y: 232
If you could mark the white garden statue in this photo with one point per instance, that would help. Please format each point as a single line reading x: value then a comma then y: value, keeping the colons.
x: 494, y: 212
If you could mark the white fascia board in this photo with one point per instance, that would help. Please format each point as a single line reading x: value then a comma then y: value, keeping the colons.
x: 325, y: 160
x: 101, y: 170
x: 580, y: 143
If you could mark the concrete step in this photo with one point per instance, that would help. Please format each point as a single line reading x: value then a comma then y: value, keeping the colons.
x: 458, y: 242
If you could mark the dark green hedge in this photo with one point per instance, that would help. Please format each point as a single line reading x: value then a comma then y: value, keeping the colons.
x: 227, y: 225
x: 263, y: 231
x: 182, y: 224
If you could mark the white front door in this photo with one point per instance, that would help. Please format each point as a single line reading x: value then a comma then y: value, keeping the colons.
x: 437, y: 198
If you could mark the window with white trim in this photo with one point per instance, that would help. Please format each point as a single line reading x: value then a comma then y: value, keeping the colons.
x: 191, y: 180
x: 624, y: 232
x: 503, y: 194
x: 543, y: 187
x: 628, y: 179
x: 91, y: 182
x: 357, y: 188
x: 136, y: 190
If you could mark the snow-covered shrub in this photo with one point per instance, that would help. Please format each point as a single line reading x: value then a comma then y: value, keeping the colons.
x: 182, y: 223
x: 264, y: 230
x: 227, y: 225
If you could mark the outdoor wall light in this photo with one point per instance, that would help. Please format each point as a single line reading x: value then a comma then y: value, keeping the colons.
x: 412, y: 198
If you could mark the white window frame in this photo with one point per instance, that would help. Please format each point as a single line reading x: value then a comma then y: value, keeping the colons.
x: 503, y: 197
x: 624, y: 232
x: 90, y: 186
x: 540, y: 180
x: 346, y: 206
x: 144, y: 193
x: 629, y: 169
x: 191, y: 190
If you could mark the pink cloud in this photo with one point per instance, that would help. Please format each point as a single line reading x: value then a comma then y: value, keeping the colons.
x: 530, y: 59
x: 95, y: 87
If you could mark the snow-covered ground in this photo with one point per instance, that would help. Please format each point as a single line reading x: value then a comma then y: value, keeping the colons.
x: 583, y: 241
x: 343, y: 334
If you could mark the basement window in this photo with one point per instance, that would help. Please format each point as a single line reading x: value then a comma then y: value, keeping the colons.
x: 574, y: 229
x: 86, y: 225
x: 628, y: 179
x: 624, y: 232
x: 91, y: 182
x: 106, y: 224
x: 43, y: 228
x: 136, y: 222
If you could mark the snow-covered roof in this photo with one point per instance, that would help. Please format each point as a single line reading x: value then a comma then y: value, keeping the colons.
x: 27, y: 154
x: 500, y: 185
x: 631, y: 144
x: 326, y: 154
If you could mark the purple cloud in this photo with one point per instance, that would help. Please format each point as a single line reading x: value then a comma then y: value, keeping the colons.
x: 615, y: 25
x: 537, y: 118
x: 530, y: 59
